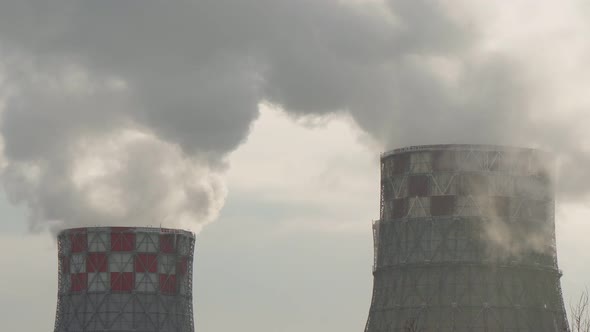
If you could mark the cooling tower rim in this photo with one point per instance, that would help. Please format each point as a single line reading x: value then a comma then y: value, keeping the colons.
x: 133, y: 229
x: 462, y: 147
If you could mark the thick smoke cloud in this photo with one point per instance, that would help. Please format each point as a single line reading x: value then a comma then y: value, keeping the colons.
x: 123, y: 112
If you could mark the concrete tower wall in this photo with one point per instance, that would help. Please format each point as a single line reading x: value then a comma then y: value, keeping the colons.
x: 466, y: 242
x: 125, y: 279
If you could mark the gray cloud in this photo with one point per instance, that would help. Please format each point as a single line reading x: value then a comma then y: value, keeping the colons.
x: 187, y: 77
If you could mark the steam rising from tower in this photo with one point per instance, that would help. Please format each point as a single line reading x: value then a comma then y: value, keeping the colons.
x: 125, y: 279
x: 466, y: 242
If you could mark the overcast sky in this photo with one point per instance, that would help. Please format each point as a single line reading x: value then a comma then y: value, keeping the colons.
x: 258, y: 124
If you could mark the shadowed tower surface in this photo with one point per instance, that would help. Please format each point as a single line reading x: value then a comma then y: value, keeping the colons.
x: 466, y: 242
x: 125, y: 279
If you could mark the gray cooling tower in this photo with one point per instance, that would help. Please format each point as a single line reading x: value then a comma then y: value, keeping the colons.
x: 466, y: 242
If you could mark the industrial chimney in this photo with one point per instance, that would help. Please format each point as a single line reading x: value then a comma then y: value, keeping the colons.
x: 125, y: 279
x: 466, y: 242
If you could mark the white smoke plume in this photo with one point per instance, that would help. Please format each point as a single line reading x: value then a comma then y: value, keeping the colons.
x: 124, y: 112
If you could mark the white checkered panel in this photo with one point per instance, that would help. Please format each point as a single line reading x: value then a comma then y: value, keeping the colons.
x: 399, y: 186
x: 146, y: 242
x: 121, y: 262
x: 99, y: 241
x: 78, y: 263
x: 418, y: 207
x: 167, y: 264
x: 471, y: 206
x: 146, y: 282
x: 443, y: 184
x: 420, y: 162
x: 501, y: 185
x: 532, y: 188
x: 183, y: 245
x: 98, y: 282
x: 472, y: 160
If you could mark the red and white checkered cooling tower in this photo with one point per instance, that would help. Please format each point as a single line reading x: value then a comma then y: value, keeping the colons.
x: 125, y: 279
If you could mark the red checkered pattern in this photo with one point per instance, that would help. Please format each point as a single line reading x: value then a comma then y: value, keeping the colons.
x: 79, y: 240
x: 167, y: 243
x: 182, y: 266
x: 122, y: 239
x: 77, y: 269
x: 122, y: 281
x: 79, y: 282
x: 96, y: 262
x: 119, y: 260
x: 168, y: 283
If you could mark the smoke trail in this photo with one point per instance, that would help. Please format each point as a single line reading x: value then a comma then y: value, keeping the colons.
x: 123, y: 112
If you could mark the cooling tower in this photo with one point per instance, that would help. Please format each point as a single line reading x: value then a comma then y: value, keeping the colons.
x: 466, y: 242
x: 125, y: 279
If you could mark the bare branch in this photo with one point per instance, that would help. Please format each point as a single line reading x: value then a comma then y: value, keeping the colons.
x: 580, y: 313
